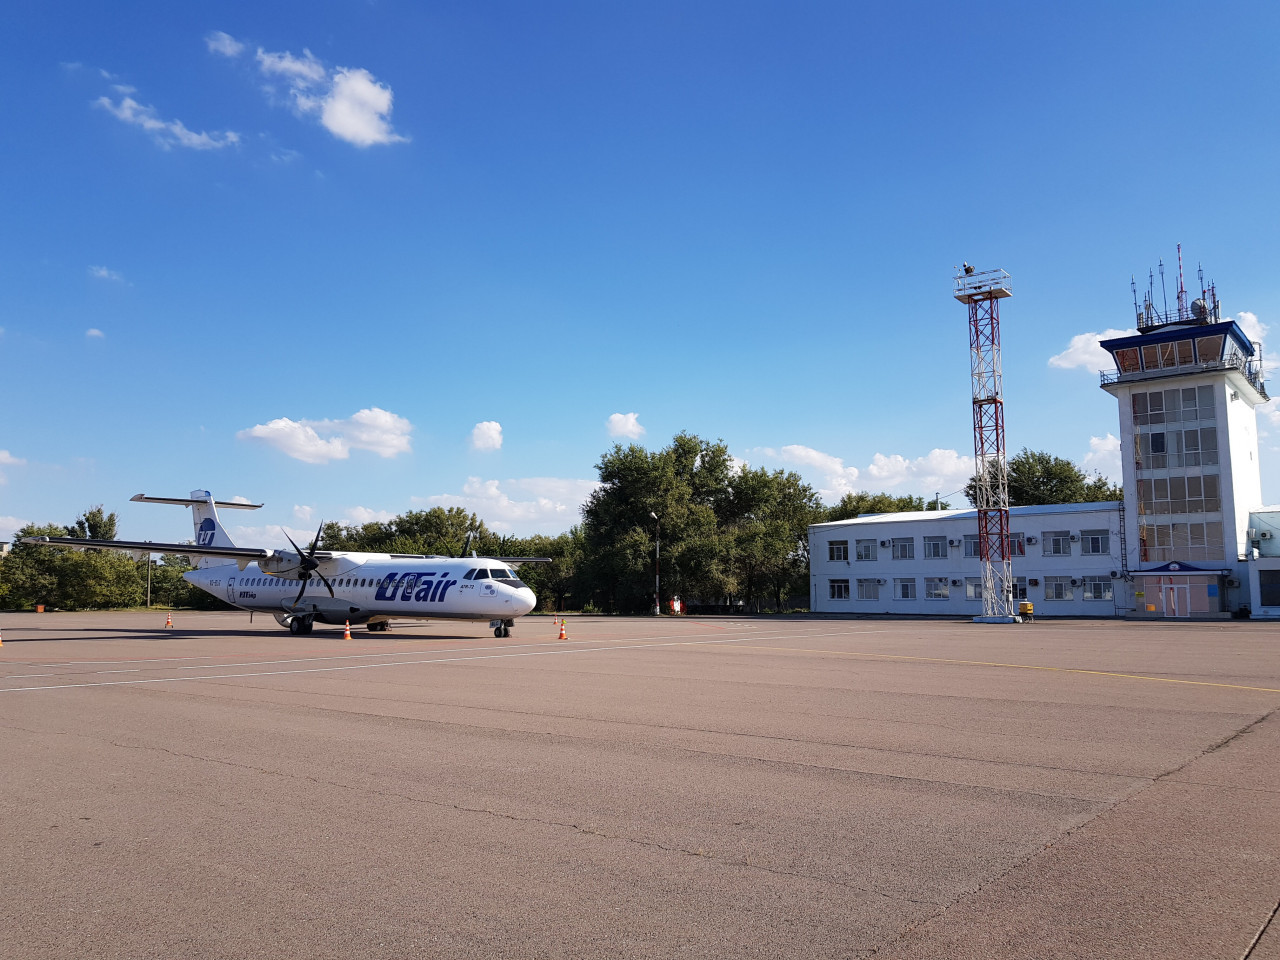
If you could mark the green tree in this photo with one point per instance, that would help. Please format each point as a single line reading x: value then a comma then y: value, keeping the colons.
x: 439, y: 530
x: 724, y: 532
x: 94, y: 524
x: 854, y: 504
x: 71, y: 579
x: 1038, y: 477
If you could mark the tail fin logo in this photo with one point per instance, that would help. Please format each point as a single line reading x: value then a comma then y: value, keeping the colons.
x: 204, y: 536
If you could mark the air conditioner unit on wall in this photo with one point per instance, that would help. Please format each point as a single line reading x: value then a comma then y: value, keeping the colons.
x: 1034, y: 582
x: 880, y: 581
x: 1074, y: 538
x: 1233, y: 582
x: 1115, y: 574
x: 884, y: 543
x: 1264, y: 534
x: 1033, y: 539
x: 954, y: 543
x: 955, y: 583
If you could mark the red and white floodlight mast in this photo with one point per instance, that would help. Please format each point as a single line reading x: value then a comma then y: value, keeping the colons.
x: 982, y: 293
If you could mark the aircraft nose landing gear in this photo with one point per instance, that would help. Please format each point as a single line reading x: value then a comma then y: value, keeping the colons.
x: 502, y: 628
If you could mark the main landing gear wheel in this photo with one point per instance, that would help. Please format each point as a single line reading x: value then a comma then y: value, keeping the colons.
x: 300, y: 625
x: 501, y: 632
x: 380, y: 627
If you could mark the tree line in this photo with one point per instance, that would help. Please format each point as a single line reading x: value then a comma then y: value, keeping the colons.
x: 719, y: 535
x: 92, y: 579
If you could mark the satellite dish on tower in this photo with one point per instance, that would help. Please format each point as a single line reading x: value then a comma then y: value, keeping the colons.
x: 1199, y: 309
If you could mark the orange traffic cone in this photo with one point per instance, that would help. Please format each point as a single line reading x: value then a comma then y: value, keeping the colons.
x: 346, y: 631
x: 562, y: 633
x: 168, y: 619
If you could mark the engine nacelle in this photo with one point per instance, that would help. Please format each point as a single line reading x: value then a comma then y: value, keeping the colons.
x: 281, y: 563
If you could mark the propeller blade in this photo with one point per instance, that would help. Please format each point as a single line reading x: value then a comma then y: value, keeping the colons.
x: 301, y: 591
x: 296, y: 548
x: 326, y: 582
x: 316, y: 542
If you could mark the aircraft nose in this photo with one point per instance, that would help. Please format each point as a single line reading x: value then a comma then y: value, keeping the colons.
x: 524, y: 601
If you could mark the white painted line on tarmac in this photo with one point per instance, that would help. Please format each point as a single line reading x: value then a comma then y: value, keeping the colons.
x: 399, y: 663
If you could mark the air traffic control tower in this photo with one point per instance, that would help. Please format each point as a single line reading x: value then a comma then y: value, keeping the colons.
x: 1188, y: 384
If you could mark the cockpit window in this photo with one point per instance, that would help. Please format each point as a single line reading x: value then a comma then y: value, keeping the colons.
x: 482, y: 575
x: 468, y: 575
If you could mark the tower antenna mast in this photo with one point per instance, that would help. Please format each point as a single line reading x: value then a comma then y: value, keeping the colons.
x: 982, y: 293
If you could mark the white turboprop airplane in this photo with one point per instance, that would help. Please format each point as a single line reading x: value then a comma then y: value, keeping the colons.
x: 334, y: 586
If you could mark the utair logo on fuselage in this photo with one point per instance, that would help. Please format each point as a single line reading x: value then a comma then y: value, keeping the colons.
x: 420, y: 587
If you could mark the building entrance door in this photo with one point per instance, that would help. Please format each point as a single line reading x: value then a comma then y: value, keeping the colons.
x: 1177, y: 600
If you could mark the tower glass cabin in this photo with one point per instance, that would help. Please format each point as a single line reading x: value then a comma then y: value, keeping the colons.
x: 1187, y: 384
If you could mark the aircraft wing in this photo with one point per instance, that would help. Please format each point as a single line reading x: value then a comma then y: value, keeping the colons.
x: 245, y: 554
x: 516, y: 561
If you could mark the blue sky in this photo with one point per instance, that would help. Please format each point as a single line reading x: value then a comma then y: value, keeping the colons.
x: 351, y: 259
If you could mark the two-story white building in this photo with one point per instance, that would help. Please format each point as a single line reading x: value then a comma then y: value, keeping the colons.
x: 1065, y: 560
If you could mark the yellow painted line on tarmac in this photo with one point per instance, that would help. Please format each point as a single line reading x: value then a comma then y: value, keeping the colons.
x: 1013, y: 666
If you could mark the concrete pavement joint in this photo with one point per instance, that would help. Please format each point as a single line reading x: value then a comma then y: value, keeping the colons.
x: 584, y: 830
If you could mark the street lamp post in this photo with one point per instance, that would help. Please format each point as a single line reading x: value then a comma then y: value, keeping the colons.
x: 657, y: 566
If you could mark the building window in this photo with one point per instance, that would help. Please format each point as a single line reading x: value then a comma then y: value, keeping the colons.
x: 972, y: 588
x: 839, y: 589
x: 1094, y: 542
x: 937, y: 588
x: 1058, y: 588
x: 1017, y: 544
x: 904, y: 548
x: 866, y: 549
x: 1057, y: 543
x: 838, y: 550
x: 1195, y: 447
x: 1163, y: 495
x: 904, y: 588
x: 971, y: 545
x: 868, y: 589
x: 1269, y: 588
x: 1096, y: 588
x: 1019, y: 588
x: 935, y: 548
x: 1172, y: 406
x: 1163, y: 542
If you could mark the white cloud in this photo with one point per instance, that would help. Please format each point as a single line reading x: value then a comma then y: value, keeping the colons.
x: 271, y: 537
x: 301, y: 513
x: 319, y: 441
x: 1084, y: 352
x: 487, y: 435
x: 10, y: 526
x: 348, y: 101
x: 104, y: 273
x: 548, y: 505
x: 93, y: 333
x: 167, y: 133
x: 362, y: 515
x: 223, y: 44
x: 836, y: 479
x: 939, y: 471
x: 625, y: 425
x: 1253, y: 328
x: 9, y: 460
x: 1104, y: 456
x: 358, y: 109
